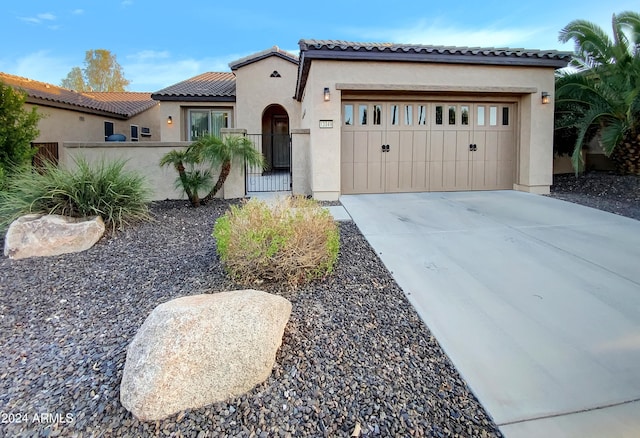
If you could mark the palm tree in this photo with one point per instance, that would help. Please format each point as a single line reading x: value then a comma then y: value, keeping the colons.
x: 224, y: 152
x: 193, y: 179
x: 602, y: 94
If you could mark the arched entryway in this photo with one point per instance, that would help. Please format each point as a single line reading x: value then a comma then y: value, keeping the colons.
x: 276, y: 144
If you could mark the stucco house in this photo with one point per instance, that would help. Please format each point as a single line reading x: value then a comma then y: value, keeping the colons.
x: 86, y: 116
x: 339, y: 118
x: 377, y: 118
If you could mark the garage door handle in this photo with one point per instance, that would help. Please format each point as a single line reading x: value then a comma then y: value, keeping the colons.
x: 473, y: 147
x: 385, y: 148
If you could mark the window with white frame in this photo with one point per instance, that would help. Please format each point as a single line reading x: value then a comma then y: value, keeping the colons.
x: 207, y: 121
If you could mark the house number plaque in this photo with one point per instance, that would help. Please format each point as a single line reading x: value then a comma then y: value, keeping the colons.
x: 326, y: 123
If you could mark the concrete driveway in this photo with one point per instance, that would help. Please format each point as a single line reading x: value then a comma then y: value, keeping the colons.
x: 535, y: 300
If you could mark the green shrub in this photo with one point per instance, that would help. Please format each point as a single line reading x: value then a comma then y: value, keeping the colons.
x: 293, y: 240
x: 105, y: 189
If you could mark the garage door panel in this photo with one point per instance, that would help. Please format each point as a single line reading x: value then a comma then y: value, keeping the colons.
x: 406, y: 146
x: 420, y: 176
x: 462, y: 145
x: 449, y: 175
x: 462, y: 176
x: 420, y: 146
x: 360, y: 181
x: 374, y: 146
x: 450, y: 145
x: 346, y: 151
x: 375, y: 181
x: 346, y: 177
x: 437, y: 146
x: 505, y: 142
x: 436, y: 176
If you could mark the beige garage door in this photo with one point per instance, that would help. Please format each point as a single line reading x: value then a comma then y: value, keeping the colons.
x: 427, y: 146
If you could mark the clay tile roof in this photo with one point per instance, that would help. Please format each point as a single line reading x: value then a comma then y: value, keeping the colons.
x: 273, y: 51
x: 420, y: 49
x: 127, y: 102
x: 122, y: 105
x: 211, y: 86
x: 351, y: 51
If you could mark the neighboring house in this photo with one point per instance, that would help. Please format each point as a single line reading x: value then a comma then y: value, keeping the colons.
x: 87, y: 116
x: 378, y: 118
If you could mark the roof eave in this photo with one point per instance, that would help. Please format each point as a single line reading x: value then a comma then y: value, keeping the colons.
x: 185, y: 98
x: 307, y: 55
x: 77, y: 108
x: 238, y: 64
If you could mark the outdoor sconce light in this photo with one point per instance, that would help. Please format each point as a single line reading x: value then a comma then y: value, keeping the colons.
x: 545, y: 98
x: 327, y: 95
x: 169, y: 120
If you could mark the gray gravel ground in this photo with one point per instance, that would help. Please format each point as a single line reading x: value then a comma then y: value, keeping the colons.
x: 354, y: 351
x: 602, y: 190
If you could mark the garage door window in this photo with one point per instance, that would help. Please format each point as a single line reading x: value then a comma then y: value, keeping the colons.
x: 438, y: 115
x: 422, y: 115
x: 348, y: 115
x: 480, y: 119
x: 377, y: 114
x: 362, y: 114
x: 505, y: 116
x: 464, y: 114
x: 408, y: 115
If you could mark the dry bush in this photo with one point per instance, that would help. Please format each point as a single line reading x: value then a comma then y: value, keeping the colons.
x: 293, y: 240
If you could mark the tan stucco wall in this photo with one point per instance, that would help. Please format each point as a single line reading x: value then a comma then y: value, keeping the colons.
x: 63, y: 125
x: 300, y: 162
x: 256, y: 90
x: 177, y: 131
x: 535, y: 136
x: 144, y: 158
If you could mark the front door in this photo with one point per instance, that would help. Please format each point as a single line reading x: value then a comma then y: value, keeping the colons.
x: 281, y: 157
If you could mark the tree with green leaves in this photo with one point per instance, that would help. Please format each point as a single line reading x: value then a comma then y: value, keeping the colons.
x: 18, y: 128
x: 602, y: 94
x: 194, y: 165
x: 101, y: 72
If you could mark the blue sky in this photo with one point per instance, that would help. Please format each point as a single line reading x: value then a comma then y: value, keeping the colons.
x: 159, y: 43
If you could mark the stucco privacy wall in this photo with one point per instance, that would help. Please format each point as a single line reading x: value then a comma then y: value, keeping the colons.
x: 522, y: 84
x: 144, y: 159
x: 62, y: 125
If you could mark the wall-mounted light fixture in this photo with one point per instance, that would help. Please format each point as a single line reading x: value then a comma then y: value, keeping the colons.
x: 327, y: 95
x: 169, y: 120
x: 545, y: 98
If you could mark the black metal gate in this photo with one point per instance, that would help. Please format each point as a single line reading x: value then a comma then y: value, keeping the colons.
x: 276, y: 176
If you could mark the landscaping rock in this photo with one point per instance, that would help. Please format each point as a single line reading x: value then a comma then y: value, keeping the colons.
x: 36, y: 235
x: 201, y: 349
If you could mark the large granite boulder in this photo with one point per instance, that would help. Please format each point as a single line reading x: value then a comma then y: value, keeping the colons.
x: 201, y: 349
x: 37, y: 235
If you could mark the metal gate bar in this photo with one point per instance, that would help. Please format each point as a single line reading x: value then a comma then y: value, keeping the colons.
x: 276, y: 177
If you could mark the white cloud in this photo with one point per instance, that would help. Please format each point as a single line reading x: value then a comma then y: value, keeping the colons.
x: 40, y: 66
x: 437, y: 32
x: 77, y: 11
x: 126, y: 3
x: 152, y: 71
x: 39, y: 18
x: 47, y: 16
x: 149, y: 54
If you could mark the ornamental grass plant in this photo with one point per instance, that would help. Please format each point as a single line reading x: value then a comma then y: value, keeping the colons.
x: 103, y: 189
x: 293, y: 240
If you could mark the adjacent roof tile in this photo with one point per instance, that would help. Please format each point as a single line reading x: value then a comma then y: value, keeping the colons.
x: 211, y: 86
x: 123, y: 104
